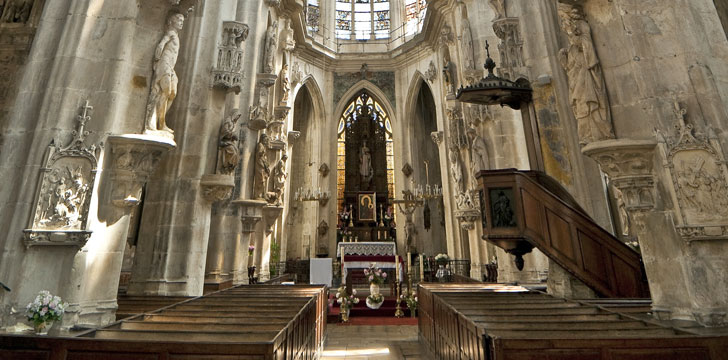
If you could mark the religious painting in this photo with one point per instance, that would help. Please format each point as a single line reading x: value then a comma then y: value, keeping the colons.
x: 367, y: 206
x: 501, y: 208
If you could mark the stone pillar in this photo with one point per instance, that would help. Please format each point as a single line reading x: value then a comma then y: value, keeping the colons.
x: 130, y: 161
x: 263, y: 240
x: 216, y: 188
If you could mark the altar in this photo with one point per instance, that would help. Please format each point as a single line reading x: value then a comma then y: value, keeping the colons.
x: 359, y: 255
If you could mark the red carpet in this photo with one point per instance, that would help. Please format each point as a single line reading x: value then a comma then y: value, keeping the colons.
x: 378, y: 316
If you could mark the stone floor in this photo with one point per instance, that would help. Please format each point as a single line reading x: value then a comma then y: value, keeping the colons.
x: 396, y: 342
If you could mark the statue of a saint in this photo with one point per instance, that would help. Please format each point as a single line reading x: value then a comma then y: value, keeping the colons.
x: 279, y: 178
x: 456, y: 169
x: 448, y: 77
x: 271, y: 45
x: 587, y: 91
x: 16, y: 11
x: 285, y: 84
x: 164, y: 80
x: 365, y: 166
x: 262, y: 168
x: 478, y: 153
x: 229, y: 153
x: 289, y: 43
x: 622, y: 209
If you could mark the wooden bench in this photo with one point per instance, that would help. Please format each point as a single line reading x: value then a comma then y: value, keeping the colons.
x: 266, y: 322
x: 472, y: 321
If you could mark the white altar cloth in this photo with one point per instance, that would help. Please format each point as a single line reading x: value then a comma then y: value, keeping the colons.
x: 367, y: 248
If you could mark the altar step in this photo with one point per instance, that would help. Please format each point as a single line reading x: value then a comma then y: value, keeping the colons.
x: 387, y: 309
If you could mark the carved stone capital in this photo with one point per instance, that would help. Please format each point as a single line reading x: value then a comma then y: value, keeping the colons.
x: 324, y: 170
x: 228, y: 73
x: 293, y: 136
x: 76, y: 238
x: 251, y: 212
x: 133, y: 160
x: 629, y: 164
x: 437, y: 137
x: 216, y: 187
x: 467, y: 218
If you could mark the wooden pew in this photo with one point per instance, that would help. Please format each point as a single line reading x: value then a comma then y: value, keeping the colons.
x: 248, y: 322
x: 471, y: 321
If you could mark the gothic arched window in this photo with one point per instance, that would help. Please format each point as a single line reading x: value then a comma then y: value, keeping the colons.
x: 313, y: 16
x: 364, y: 104
x: 370, y: 19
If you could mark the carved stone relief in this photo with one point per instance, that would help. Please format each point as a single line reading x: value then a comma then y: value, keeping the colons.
x: 698, y: 174
x: 324, y: 170
x: 458, y: 136
x: 587, y: 91
x: 289, y: 43
x: 478, y: 114
x: 437, y: 137
x: 468, y: 212
x: 228, y: 74
x: 164, y: 80
x: 15, y: 11
x: 64, y: 193
x: 296, y: 74
x: 407, y: 170
x: 446, y: 35
x: 510, y: 48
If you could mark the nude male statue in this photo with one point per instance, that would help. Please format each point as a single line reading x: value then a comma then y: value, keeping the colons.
x: 164, y: 81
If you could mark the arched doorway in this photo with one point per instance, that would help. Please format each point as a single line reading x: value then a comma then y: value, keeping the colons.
x: 365, y: 171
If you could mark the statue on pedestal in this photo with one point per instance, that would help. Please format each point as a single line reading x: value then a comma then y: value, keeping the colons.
x: 587, y: 91
x: 279, y: 178
x: 285, y: 84
x: 365, y: 166
x: 262, y: 168
x: 478, y: 153
x: 164, y: 80
x: 229, y: 153
x: 271, y: 44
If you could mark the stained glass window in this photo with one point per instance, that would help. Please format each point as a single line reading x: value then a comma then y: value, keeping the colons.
x: 370, y: 19
x: 414, y: 16
x: 313, y: 16
x: 381, y: 119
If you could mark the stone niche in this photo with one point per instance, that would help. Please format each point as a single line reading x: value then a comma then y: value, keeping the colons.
x: 64, y: 192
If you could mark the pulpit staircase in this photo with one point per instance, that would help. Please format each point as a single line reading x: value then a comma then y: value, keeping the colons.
x: 523, y: 210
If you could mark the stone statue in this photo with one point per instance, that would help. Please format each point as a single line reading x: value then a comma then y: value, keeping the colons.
x: 587, y: 91
x: 279, y: 178
x: 365, y: 166
x: 289, y: 43
x: 467, y: 46
x: 448, y: 77
x: 499, y: 7
x: 271, y: 45
x: 262, y: 169
x: 410, y: 230
x: 15, y: 11
x: 622, y: 209
x: 478, y: 153
x: 285, y: 84
x: 164, y: 80
x: 229, y: 153
x: 456, y: 169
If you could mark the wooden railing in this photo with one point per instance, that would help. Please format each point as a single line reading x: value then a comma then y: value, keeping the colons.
x: 527, y: 209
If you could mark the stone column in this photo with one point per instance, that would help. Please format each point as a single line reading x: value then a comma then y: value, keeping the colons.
x: 216, y: 188
x: 130, y: 161
x: 263, y: 240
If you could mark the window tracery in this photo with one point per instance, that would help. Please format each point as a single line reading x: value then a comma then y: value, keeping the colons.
x: 313, y: 16
x: 363, y: 19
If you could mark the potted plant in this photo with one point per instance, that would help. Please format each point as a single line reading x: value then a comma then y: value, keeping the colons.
x: 376, y: 277
x: 346, y: 302
x: 44, y: 311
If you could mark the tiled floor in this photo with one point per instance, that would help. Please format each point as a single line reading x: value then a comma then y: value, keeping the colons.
x: 373, y: 342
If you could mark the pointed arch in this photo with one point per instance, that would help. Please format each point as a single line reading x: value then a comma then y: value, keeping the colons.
x: 316, y: 96
x: 373, y: 90
x: 413, y: 91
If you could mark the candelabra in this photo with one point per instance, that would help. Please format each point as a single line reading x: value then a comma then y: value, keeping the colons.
x: 312, y: 195
x: 427, y: 191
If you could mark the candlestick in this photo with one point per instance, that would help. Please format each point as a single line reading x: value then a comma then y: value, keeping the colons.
x: 398, y: 309
x: 422, y: 268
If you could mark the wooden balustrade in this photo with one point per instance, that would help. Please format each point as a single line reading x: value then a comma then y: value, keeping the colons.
x: 526, y: 209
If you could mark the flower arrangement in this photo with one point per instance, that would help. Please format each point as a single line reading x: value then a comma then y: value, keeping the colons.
x: 251, y: 248
x: 45, y: 309
x: 375, y: 275
x: 411, y: 299
x: 345, y: 300
x: 442, y: 259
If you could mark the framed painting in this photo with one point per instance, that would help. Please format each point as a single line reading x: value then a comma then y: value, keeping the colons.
x: 367, y: 206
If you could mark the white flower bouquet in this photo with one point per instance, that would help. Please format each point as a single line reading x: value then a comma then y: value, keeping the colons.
x: 45, y: 309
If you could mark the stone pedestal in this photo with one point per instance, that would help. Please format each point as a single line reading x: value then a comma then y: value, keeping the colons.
x: 217, y: 188
x: 130, y: 161
x: 262, y: 248
x: 251, y: 212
